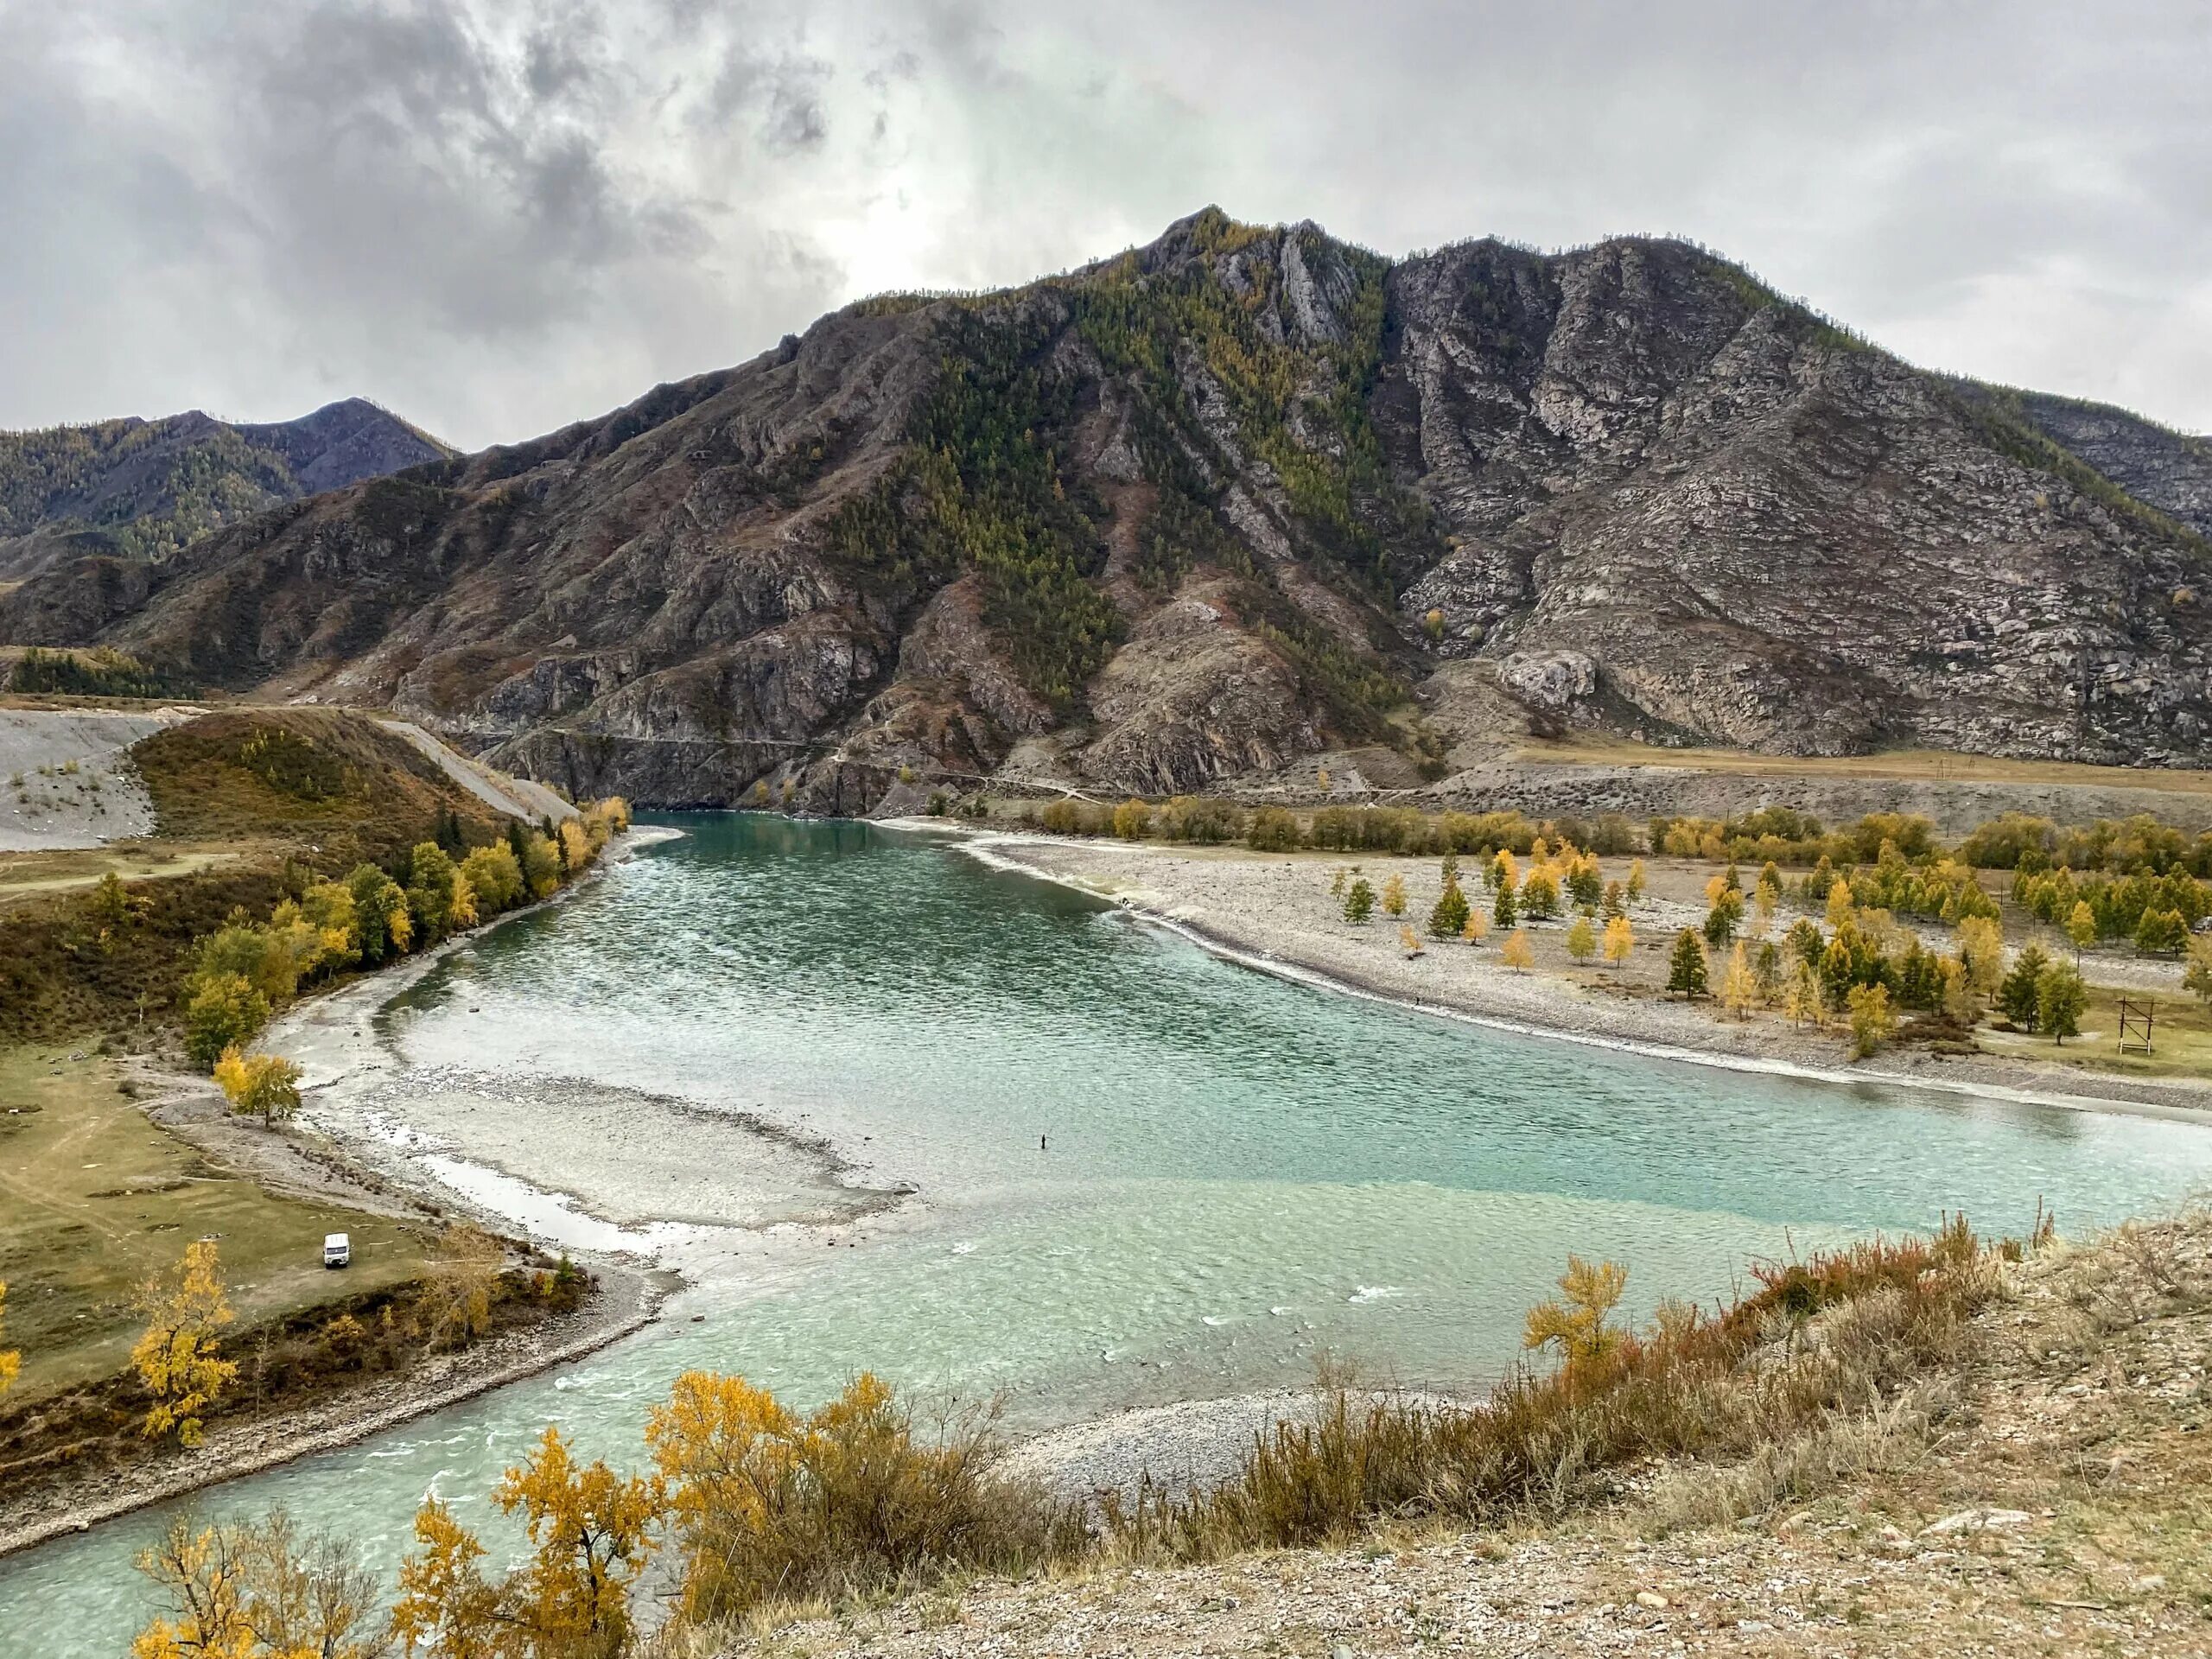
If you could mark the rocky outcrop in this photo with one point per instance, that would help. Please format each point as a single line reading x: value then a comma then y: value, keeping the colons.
x: 1218, y: 504
x: 2158, y: 467
x: 1763, y: 533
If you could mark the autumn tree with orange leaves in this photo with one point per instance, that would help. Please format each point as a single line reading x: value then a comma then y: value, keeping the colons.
x: 178, y: 1359
x: 590, y: 1532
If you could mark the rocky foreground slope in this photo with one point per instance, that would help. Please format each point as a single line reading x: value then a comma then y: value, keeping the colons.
x: 1222, y: 504
x: 2047, y: 1495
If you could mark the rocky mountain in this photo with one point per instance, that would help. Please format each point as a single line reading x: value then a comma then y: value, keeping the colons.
x: 1224, y: 504
x: 138, y: 489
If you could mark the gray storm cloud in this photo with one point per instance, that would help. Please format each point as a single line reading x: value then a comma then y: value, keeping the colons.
x: 499, y: 217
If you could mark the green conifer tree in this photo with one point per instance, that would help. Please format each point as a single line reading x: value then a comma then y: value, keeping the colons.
x: 1359, y: 903
x: 1685, y: 969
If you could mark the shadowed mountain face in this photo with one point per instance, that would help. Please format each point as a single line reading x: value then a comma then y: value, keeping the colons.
x: 1229, y: 501
x: 133, y: 489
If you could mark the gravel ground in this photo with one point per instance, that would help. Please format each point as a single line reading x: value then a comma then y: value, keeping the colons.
x: 1274, y: 909
x: 1189, y: 1447
x: 43, y: 805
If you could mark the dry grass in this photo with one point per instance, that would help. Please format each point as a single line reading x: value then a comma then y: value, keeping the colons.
x: 326, y: 776
x: 94, y: 1199
x: 2043, y: 1487
x: 1936, y: 766
x: 1832, y: 1338
x: 1836, y: 1366
x: 2181, y: 1037
x: 29, y: 874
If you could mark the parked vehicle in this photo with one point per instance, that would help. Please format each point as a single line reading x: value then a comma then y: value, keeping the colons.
x: 337, y: 1250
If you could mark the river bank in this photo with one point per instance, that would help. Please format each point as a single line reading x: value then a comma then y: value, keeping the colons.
x: 625, y: 1299
x: 1274, y: 911
x: 303, y: 1160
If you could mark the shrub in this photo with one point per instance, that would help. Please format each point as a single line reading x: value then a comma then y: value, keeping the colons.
x: 1203, y: 819
x: 770, y: 1505
x: 1272, y: 830
x: 1819, y: 1336
x: 1133, y: 820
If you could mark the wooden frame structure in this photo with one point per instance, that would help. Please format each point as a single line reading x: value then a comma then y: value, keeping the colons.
x: 2135, y: 1025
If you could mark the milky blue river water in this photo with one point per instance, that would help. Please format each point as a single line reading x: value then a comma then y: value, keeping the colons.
x: 1241, y: 1173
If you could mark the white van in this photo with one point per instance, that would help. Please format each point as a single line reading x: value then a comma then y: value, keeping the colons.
x: 337, y: 1250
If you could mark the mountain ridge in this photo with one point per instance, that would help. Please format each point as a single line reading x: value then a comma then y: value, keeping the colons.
x: 136, y: 488
x: 1222, y: 504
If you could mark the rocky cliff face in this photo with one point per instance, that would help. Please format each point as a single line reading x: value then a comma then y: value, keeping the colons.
x: 1219, y: 505
x: 135, y: 489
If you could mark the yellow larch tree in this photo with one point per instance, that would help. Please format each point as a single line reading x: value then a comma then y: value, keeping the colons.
x: 266, y: 1086
x: 248, y: 1590
x: 2081, y: 928
x: 178, y: 1359
x: 1801, y: 999
x: 1620, y: 939
x: 575, y: 845
x: 1393, y: 895
x: 591, y: 1529
x: 1477, y: 928
x: 1872, y: 1023
x: 1574, y: 1323
x: 1839, y: 902
x: 11, y: 1362
x: 1520, y: 956
x: 590, y: 1532
x: 1634, y: 890
x: 1981, y: 950
x: 1581, y: 939
x: 446, y: 1609
x: 203, y: 1570
x: 1739, y: 987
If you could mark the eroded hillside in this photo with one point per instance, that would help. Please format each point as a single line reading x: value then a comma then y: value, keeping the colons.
x: 1238, y: 498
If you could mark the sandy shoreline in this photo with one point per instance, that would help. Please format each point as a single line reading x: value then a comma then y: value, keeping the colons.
x: 1273, y: 913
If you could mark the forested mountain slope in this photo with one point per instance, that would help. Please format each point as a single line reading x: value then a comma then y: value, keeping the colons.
x: 138, y: 489
x: 1223, y: 502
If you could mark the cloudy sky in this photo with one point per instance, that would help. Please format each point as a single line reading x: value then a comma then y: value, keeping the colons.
x: 496, y: 216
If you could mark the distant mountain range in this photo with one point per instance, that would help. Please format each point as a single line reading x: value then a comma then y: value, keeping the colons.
x: 1219, y: 506
x: 136, y: 489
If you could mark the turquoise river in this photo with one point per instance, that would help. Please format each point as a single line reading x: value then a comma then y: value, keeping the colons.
x: 1239, y: 1172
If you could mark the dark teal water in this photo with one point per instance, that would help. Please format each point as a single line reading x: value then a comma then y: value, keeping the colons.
x: 1241, y: 1172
